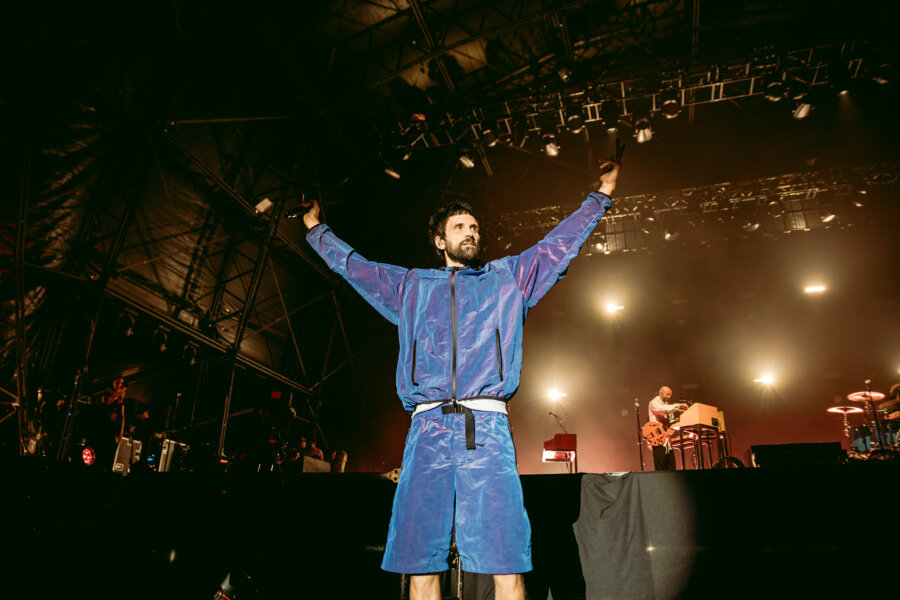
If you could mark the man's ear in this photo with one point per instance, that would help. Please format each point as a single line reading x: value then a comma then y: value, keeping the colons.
x: 440, y: 243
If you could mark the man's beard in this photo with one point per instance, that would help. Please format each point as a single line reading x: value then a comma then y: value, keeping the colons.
x: 464, y: 253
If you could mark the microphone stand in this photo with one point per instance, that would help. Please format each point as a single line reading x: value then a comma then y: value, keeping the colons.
x: 569, y: 467
x: 640, y: 445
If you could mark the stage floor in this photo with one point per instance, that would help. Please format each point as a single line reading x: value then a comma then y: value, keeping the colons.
x: 818, y: 531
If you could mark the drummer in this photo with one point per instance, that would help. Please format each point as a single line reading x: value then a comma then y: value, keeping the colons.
x: 892, y: 406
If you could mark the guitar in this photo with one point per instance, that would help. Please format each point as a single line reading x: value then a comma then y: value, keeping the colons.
x: 654, y: 433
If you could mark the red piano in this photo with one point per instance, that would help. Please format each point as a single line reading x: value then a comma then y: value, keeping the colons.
x: 562, y: 449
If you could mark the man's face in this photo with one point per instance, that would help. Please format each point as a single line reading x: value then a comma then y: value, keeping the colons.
x: 665, y: 394
x: 461, y: 240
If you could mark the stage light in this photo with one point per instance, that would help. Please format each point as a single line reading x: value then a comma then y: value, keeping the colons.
x: 882, y: 74
x: 161, y: 338
x: 548, y: 141
x: 670, y: 104
x: 643, y: 130
x: 829, y: 218
x: 392, y: 172
x: 670, y: 236
x: 609, y: 114
x: 614, y: 308
x: 750, y: 227
x: 88, y: 456
x: 775, y: 89
x: 814, y: 289
x: 189, y: 353
x: 489, y: 137
x: 840, y: 77
x: 263, y: 205
x: 765, y: 379
x: 802, y: 108
x: 126, y: 323
x: 555, y: 395
x: 575, y: 122
x: 466, y: 161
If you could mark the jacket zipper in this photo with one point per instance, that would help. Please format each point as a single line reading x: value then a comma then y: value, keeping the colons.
x: 413, y: 374
x: 453, y: 321
x: 499, y: 355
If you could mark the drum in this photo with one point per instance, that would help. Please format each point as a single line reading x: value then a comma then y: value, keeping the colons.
x: 861, y: 439
x: 891, y: 431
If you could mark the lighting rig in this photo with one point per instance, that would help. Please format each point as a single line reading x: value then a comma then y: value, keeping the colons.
x: 769, y: 206
x: 797, y: 77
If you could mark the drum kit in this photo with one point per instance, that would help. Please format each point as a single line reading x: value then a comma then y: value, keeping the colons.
x: 878, y: 437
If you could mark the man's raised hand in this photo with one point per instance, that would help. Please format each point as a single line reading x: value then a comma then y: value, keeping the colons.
x: 311, y: 217
x: 610, y: 166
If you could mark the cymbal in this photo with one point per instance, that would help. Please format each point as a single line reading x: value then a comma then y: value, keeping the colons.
x: 890, y: 404
x: 865, y: 396
x: 845, y: 410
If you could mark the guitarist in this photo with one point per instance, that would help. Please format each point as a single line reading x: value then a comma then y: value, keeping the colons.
x: 660, y: 409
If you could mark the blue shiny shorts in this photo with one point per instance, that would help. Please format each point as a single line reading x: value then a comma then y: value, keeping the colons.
x: 492, y: 530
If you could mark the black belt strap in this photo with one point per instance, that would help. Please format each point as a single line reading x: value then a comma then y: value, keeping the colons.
x: 455, y: 408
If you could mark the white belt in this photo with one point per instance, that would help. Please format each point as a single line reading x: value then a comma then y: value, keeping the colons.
x: 485, y: 404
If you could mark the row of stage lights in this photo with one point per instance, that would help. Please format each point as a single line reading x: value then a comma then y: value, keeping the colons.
x: 572, y: 115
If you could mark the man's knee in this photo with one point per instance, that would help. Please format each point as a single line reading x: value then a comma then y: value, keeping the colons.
x: 424, y: 587
x: 509, y: 587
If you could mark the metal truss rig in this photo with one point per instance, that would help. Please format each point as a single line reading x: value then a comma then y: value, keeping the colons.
x: 771, y: 205
x: 799, y: 71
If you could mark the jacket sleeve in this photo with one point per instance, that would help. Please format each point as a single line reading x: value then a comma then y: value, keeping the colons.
x: 379, y: 284
x: 537, y: 269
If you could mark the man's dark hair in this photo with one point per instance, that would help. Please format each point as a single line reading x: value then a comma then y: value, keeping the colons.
x: 437, y: 224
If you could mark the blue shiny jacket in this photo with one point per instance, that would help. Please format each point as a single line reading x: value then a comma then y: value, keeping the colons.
x: 461, y: 329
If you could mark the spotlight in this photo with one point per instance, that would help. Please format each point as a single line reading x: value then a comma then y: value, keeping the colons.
x: 88, y: 456
x: 489, y: 137
x: 776, y: 208
x: 126, y: 323
x: 189, y: 353
x: 814, y: 289
x: 161, y: 338
x: 263, y: 205
x: 775, y: 89
x: 802, y: 108
x: 392, y: 172
x: 670, y: 104
x: 555, y: 395
x: 765, y: 379
x: 750, y: 227
x: 466, y: 161
x: 643, y: 129
x: 548, y: 141
x: 575, y: 122
x: 670, y: 236
x: 609, y: 114
x: 881, y: 74
x: 613, y: 308
x: 840, y: 77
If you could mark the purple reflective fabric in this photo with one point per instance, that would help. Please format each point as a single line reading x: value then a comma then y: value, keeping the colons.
x: 491, y: 304
x: 492, y: 530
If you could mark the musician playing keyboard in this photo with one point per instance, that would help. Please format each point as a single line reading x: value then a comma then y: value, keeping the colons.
x: 664, y: 413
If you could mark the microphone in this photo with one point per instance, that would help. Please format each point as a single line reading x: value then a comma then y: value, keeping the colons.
x: 297, y: 211
x: 555, y: 415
